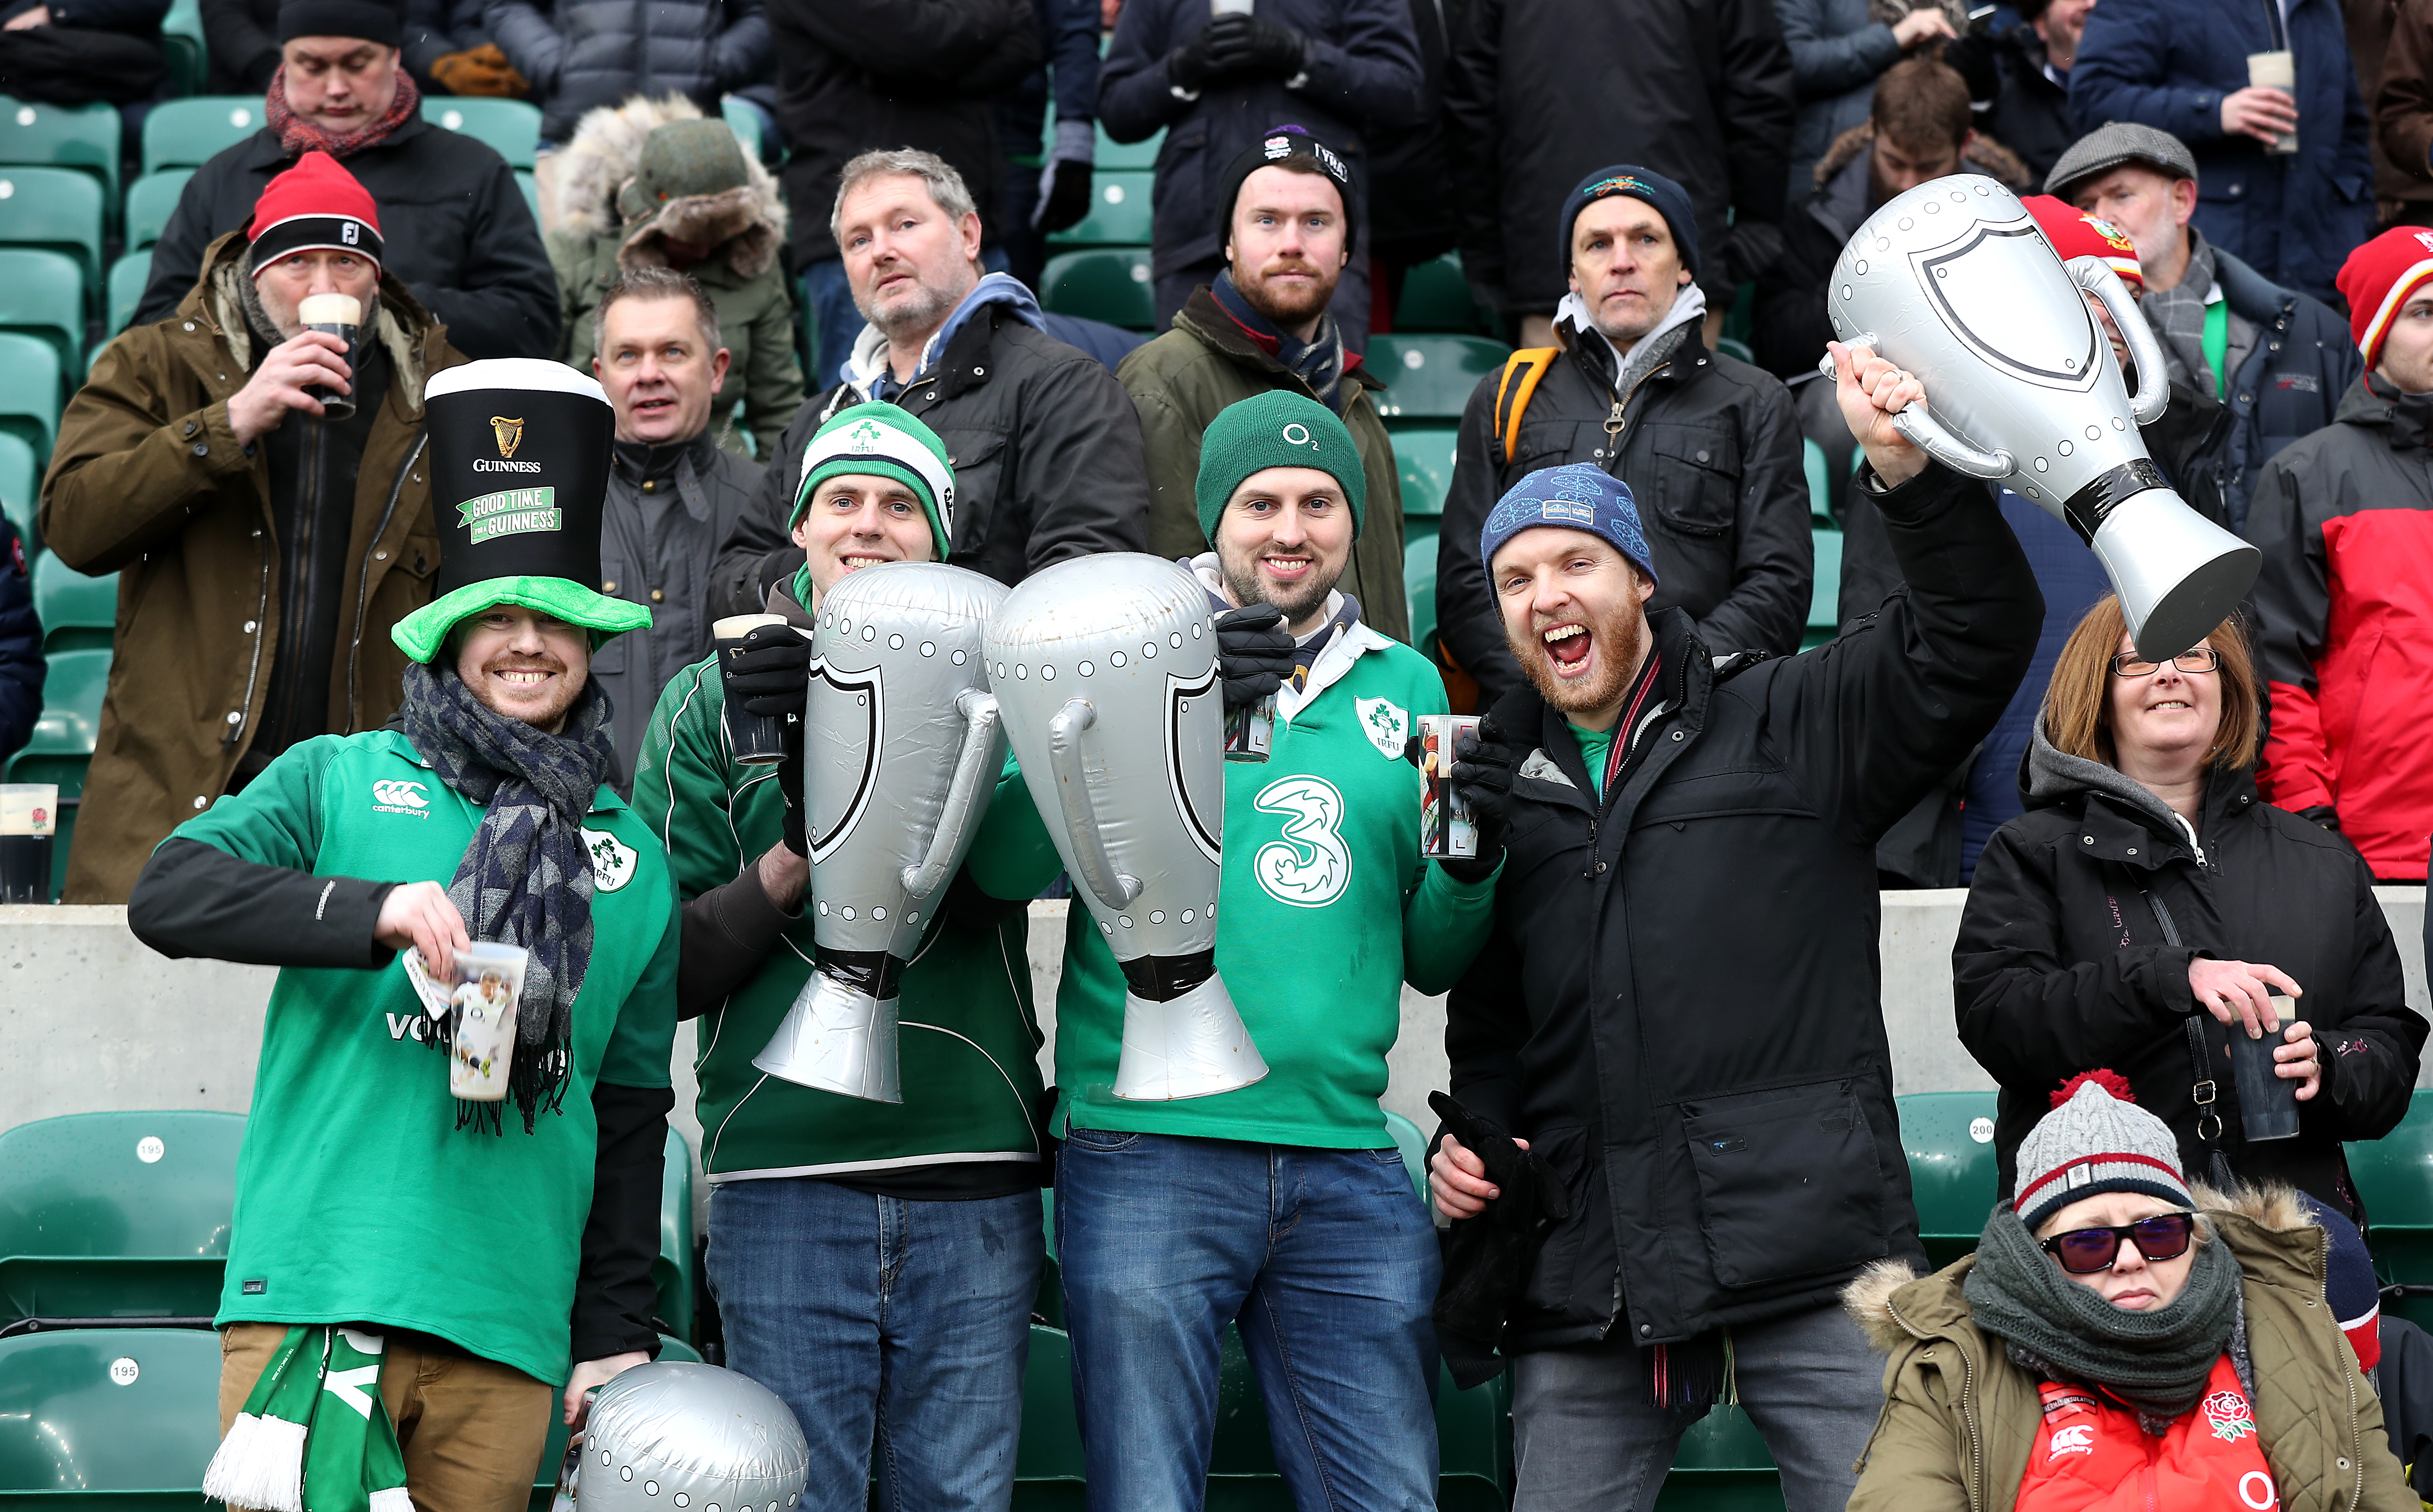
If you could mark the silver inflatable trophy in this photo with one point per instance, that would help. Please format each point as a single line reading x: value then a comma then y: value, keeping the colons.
x: 1107, y: 669
x: 1953, y: 281
x: 674, y: 1435
x: 901, y: 753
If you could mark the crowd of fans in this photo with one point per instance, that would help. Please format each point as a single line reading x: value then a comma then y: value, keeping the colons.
x: 2156, y: 850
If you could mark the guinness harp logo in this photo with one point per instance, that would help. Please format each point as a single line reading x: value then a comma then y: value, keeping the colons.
x: 510, y: 434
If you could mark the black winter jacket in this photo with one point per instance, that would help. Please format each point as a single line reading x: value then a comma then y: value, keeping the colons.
x: 579, y: 54
x: 854, y: 75
x: 1677, y: 1006
x: 1539, y: 94
x: 1364, y: 73
x: 2062, y: 964
x: 454, y: 230
x: 1046, y: 451
x: 1710, y: 450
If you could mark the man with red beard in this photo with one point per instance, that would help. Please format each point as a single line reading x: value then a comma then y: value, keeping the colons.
x: 1674, y: 1022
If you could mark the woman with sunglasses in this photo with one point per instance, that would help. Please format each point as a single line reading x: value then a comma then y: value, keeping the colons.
x: 2148, y: 906
x: 2121, y: 1340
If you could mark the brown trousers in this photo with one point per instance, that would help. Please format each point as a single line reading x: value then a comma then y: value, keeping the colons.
x: 472, y: 1430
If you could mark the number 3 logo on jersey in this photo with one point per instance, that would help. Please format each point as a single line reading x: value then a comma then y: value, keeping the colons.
x: 1309, y: 868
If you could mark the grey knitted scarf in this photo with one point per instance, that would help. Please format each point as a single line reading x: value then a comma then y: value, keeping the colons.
x: 2154, y: 1363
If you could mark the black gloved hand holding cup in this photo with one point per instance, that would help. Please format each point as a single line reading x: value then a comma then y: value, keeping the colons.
x: 1254, y: 653
x: 1482, y: 769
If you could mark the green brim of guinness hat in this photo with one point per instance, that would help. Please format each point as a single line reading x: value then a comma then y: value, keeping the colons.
x: 422, y: 634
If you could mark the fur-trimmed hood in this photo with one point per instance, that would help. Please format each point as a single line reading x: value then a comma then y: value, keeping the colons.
x: 1984, y: 155
x: 748, y: 223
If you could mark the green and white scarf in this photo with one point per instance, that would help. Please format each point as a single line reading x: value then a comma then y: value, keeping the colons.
x: 315, y: 1436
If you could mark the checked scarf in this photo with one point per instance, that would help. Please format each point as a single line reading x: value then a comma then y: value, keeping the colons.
x: 314, y: 1435
x: 526, y: 876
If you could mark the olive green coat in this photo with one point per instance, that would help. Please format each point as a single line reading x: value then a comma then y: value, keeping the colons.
x: 1960, y: 1420
x: 1181, y: 379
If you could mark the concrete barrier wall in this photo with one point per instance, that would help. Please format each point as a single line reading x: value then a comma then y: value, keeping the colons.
x: 91, y: 1020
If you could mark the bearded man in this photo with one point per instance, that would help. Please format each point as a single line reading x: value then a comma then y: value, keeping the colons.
x: 1676, y: 1013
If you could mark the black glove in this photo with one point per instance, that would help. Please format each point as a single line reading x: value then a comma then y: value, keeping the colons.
x: 1188, y: 67
x: 1068, y: 201
x: 2324, y: 814
x: 1750, y: 248
x: 1238, y: 43
x: 771, y: 675
x: 1482, y: 769
x: 1255, y: 655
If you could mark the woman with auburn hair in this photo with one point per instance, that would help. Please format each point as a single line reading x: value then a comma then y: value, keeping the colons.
x: 2148, y: 906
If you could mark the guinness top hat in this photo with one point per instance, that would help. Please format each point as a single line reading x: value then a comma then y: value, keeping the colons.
x: 518, y: 473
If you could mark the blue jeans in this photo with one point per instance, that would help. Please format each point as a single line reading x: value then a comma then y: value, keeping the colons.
x: 1328, y: 1260
x: 875, y: 1316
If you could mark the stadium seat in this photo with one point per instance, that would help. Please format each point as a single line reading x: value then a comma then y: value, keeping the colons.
x: 1409, y: 1142
x: 20, y: 488
x: 57, y: 209
x: 1423, y: 457
x: 116, y: 1215
x: 2394, y: 1178
x: 1948, y: 1137
x: 181, y: 31
x: 61, y: 746
x: 41, y: 294
x: 1110, y: 284
x: 78, y: 613
x: 1112, y: 154
x: 1119, y: 212
x: 1825, y: 593
x: 1820, y: 485
x: 30, y: 392
x: 1429, y: 379
x: 189, y: 133
x: 1436, y: 297
x: 1474, y: 1445
x: 85, y: 139
x: 1419, y: 595
x: 511, y: 127
x: 745, y: 122
x: 128, y: 277
x: 124, y: 1419
x: 149, y: 201
x: 674, y: 1271
x: 1722, y: 1466
x: 1734, y: 347
x: 1048, y: 1467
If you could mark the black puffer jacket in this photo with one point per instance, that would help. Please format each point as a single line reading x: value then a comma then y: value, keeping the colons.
x: 581, y: 54
x: 1677, y: 1006
x: 2062, y: 964
x: 1710, y: 451
x: 1045, y: 447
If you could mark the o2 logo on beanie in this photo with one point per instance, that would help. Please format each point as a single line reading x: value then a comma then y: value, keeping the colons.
x: 1296, y: 434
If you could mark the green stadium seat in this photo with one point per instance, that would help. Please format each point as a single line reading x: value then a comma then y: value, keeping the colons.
x: 190, y: 57
x: 1409, y: 1142
x: 1424, y: 456
x: 531, y: 187
x: 511, y: 127
x: 1420, y: 594
x: 675, y: 1271
x: 1825, y: 593
x: 149, y: 202
x: 122, y: 1419
x: 2395, y: 1178
x: 1948, y: 1137
x: 1429, y: 379
x: 1734, y: 347
x: 1111, y: 285
x: 1722, y: 1466
x: 1119, y: 212
x: 1820, y: 485
x: 189, y: 133
x: 1112, y: 154
x: 41, y: 294
x: 745, y: 122
x: 116, y: 1215
x: 1047, y: 1465
x: 78, y: 613
x: 128, y: 277
x: 29, y: 391
x: 1436, y: 297
x: 57, y: 209
x: 85, y: 139
x: 61, y: 746
x: 21, y: 496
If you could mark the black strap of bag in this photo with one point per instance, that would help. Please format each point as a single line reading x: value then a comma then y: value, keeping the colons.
x: 2205, y: 1090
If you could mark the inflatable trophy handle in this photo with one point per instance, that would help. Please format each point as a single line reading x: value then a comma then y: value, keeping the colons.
x: 979, y: 712
x: 1919, y: 425
x: 1115, y: 889
x: 2154, y: 395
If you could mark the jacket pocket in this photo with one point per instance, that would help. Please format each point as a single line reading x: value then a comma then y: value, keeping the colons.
x: 1697, y: 481
x: 1574, y: 1274
x: 1788, y: 1181
x: 978, y: 455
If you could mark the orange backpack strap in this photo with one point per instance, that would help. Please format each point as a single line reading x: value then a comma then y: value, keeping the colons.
x: 1522, y: 371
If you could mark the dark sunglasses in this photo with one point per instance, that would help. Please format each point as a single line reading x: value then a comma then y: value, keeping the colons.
x: 2085, y: 1251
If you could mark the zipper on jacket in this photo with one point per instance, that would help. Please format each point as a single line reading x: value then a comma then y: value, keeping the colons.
x: 362, y: 583
x: 1979, y: 1494
x: 2356, y: 1430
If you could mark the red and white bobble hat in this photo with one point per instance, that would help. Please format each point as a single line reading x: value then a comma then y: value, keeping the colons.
x: 2376, y: 280
x: 316, y: 204
x: 2074, y: 233
x: 2096, y: 1140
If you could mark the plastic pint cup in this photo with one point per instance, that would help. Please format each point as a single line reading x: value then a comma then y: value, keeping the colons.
x: 758, y: 740
x: 1448, y: 830
x: 1251, y: 731
x: 341, y: 315
x: 2268, y: 1104
x: 29, y: 812
x: 482, y: 1045
x: 2275, y: 71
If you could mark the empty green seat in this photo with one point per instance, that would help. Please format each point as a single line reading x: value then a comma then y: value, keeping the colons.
x: 1825, y: 592
x: 674, y: 1272
x: 1111, y: 284
x: 78, y: 613
x: 1119, y: 212
x: 85, y: 139
x: 1424, y: 456
x: 1722, y: 1466
x: 124, y: 1419
x: 1820, y: 485
x: 189, y: 133
x: 1112, y: 154
x: 189, y: 54
x: 1429, y: 379
x: 510, y: 127
x: 1420, y: 593
x: 41, y: 294
x: 1734, y: 347
x: 128, y: 277
x: 1049, y: 1456
x: 57, y: 209
x: 2394, y: 1178
x: 1436, y: 297
x: 150, y: 201
x: 29, y: 391
x: 20, y: 486
x: 745, y: 122
x: 1948, y: 1137
x: 116, y: 1215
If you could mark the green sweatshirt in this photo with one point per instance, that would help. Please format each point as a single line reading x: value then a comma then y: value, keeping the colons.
x: 1328, y: 909
x: 357, y: 1198
x: 970, y: 1039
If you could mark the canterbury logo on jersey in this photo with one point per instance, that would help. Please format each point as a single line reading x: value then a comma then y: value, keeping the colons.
x: 396, y: 795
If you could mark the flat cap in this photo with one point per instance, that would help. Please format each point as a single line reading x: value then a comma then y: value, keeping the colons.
x: 2107, y: 148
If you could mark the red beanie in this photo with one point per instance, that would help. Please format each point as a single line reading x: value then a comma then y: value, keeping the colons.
x: 2075, y: 233
x: 314, y: 204
x: 2376, y: 280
